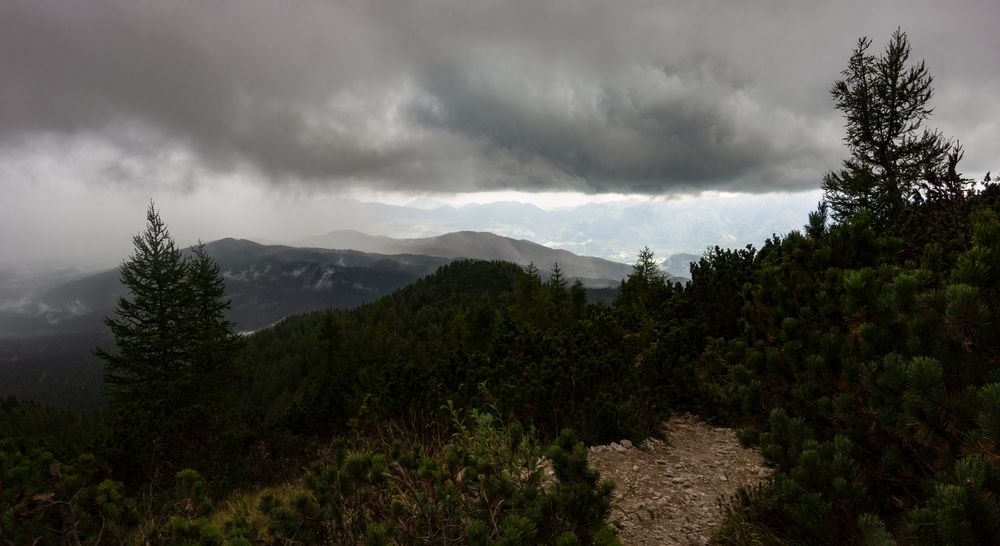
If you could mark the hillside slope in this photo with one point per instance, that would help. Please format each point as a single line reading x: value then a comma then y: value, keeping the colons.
x: 595, y: 272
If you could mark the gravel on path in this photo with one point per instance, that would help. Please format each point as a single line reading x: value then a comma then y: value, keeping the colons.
x: 672, y: 491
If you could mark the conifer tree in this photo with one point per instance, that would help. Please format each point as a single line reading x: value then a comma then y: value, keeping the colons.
x: 172, y: 362
x: 641, y: 285
x: 817, y: 226
x: 213, y: 342
x: 151, y: 327
x: 642, y: 296
x: 529, y: 297
x: 645, y: 269
x: 557, y: 281
x: 556, y: 289
x: 885, y: 101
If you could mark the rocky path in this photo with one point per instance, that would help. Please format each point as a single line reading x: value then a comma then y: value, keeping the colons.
x: 669, y: 492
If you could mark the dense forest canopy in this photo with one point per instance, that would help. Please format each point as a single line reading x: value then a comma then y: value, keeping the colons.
x: 860, y: 354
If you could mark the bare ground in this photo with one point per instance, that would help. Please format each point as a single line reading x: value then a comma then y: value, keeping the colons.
x: 671, y: 492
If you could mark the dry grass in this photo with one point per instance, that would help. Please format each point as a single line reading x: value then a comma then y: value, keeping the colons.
x: 245, y: 502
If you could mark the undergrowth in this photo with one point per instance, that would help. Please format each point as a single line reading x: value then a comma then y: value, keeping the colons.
x: 487, y: 483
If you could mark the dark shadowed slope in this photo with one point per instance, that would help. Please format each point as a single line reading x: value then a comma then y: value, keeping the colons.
x: 47, y: 338
x: 266, y: 283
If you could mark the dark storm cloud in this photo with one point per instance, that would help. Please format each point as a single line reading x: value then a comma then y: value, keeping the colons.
x: 633, y: 96
x: 644, y: 131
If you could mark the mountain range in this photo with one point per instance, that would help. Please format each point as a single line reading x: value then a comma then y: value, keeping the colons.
x: 50, y: 323
x: 268, y: 282
x: 614, y: 231
x: 593, y: 272
x: 265, y: 283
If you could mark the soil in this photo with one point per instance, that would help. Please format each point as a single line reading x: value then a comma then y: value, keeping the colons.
x: 672, y: 491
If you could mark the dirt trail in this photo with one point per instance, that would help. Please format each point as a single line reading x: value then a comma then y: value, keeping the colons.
x: 669, y: 492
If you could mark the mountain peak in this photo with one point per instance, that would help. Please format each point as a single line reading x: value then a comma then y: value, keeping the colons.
x: 482, y: 245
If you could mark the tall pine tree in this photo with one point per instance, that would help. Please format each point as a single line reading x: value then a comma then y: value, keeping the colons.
x: 172, y: 362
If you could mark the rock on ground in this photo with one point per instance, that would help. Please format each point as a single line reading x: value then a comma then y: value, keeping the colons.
x: 671, y: 491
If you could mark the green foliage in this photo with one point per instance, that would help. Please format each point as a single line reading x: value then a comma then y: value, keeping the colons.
x: 185, y: 513
x: 60, y: 431
x: 878, y: 380
x: 643, y: 289
x: 884, y: 379
x: 873, y: 531
x: 486, y: 485
x: 150, y: 327
x: 885, y: 101
x: 45, y: 501
x: 962, y: 511
x: 172, y: 366
x: 474, y: 333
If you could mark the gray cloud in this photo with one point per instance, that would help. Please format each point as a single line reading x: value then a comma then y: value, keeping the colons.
x: 632, y: 96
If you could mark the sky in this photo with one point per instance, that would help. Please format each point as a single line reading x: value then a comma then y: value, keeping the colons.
x: 249, y: 117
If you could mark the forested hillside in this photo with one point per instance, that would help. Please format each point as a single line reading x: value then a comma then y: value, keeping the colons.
x: 46, y: 336
x: 860, y: 353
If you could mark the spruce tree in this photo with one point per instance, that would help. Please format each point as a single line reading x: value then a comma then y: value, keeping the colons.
x: 210, y: 334
x: 150, y: 326
x: 172, y: 362
x: 556, y: 281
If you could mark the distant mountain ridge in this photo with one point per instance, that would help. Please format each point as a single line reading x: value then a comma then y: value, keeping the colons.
x: 51, y: 330
x: 265, y: 283
x: 679, y: 264
x: 593, y: 271
x: 269, y: 282
x: 615, y: 230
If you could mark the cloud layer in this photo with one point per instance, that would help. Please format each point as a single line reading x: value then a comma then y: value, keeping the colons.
x: 631, y: 96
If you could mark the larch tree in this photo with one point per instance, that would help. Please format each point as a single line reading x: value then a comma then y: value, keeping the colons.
x: 885, y: 100
x: 645, y: 280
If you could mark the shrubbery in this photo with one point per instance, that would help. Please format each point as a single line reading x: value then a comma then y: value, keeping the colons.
x: 885, y: 381
x: 536, y: 351
x: 43, y: 500
x: 486, y: 485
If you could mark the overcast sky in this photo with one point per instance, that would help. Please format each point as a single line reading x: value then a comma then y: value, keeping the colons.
x: 229, y: 107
